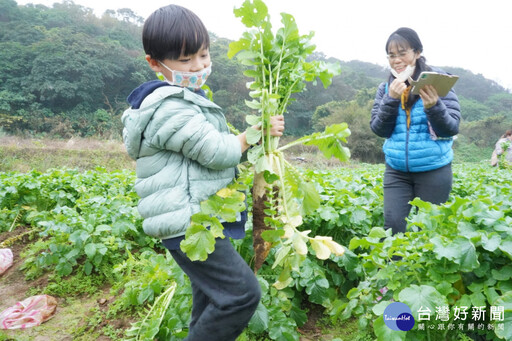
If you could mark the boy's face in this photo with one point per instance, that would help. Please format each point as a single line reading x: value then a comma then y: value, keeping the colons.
x: 191, y: 63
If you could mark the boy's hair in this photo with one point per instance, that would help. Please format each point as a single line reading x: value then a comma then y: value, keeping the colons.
x: 173, y: 30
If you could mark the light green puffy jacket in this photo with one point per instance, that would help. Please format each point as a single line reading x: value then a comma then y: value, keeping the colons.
x: 184, y: 154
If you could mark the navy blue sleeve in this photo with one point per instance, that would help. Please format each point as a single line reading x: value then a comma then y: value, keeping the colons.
x: 445, y: 116
x: 384, y: 113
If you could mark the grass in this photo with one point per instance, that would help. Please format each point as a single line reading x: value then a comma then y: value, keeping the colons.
x: 23, y: 155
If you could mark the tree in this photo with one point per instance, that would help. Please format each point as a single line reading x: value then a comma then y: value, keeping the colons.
x: 473, y: 86
x: 486, y: 132
x: 227, y: 83
x: 473, y: 110
x: 500, y: 103
x: 364, y: 145
x: 8, y: 10
x: 64, y: 63
x: 126, y: 15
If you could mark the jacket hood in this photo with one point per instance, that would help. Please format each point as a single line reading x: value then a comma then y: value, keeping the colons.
x: 144, y: 101
x: 141, y: 92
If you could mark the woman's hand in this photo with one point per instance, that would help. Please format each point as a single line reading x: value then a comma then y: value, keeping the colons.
x: 429, y: 96
x: 396, y: 88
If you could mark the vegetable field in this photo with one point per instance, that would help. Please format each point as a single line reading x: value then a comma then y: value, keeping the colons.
x: 328, y: 269
x: 78, y: 233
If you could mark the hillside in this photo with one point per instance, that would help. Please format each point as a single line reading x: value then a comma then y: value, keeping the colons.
x: 66, y: 73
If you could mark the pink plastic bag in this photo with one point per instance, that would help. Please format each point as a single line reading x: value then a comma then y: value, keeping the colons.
x: 29, y: 313
x: 5, y: 260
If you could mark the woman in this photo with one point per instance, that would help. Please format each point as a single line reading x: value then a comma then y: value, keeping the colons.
x: 418, y: 131
x: 504, y: 141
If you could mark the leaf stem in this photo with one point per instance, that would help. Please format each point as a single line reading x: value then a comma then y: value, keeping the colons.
x: 280, y: 61
x: 282, y: 192
x: 303, y: 140
x: 262, y: 55
x: 284, y: 103
x: 15, y: 221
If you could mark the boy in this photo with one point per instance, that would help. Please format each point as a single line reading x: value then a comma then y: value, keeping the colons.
x: 184, y: 154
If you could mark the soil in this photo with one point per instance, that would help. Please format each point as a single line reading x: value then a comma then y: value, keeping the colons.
x: 12, y: 282
x: 310, y: 330
x: 72, y: 313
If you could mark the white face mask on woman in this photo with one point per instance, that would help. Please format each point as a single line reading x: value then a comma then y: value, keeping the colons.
x: 194, y: 80
x: 404, y: 75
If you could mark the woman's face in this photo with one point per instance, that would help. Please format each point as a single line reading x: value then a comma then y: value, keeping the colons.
x: 401, y: 56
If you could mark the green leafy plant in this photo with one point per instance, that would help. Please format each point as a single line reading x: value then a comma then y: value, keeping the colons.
x: 502, y: 158
x: 86, y: 220
x: 149, y: 326
x: 281, y: 194
x: 454, y: 255
x: 143, y: 277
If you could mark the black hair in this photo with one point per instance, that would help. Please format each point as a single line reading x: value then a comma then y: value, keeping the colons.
x: 406, y: 38
x: 172, y: 31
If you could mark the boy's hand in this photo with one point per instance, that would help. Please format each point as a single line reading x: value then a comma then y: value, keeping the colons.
x: 277, y: 125
x: 276, y: 129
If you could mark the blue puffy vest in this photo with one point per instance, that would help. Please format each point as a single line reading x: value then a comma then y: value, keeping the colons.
x: 415, y: 149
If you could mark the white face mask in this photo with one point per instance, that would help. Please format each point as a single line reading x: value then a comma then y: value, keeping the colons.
x: 404, y: 75
x: 193, y: 80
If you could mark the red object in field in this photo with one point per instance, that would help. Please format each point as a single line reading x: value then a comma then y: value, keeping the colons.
x: 5, y: 260
x: 29, y: 313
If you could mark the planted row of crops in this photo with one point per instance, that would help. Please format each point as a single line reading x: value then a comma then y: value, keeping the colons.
x: 85, y: 225
x: 457, y: 254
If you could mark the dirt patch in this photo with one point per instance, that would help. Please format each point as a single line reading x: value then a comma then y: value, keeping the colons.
x: 14, y: 288
x: 78, y: 318
x: 310, y: 330
x: 69, y: 315
x: 13, y: 285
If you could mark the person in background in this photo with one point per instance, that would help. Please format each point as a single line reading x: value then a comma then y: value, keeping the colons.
x: 185, y: 153
x: 499, y: 148
x: 419, y: 131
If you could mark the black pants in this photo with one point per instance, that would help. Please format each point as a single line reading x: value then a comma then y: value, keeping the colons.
x: 225, y: 293
x: 400, y: 187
